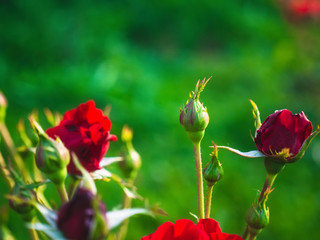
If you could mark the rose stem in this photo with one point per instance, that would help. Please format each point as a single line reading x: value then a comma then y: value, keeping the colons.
x: 126, y: 204
x: 12, y: 150
x: 33, y: 233
x: 197, y: 157
x: 267, y: 185
x: 246, y: 233
x: 209, y: 200
x: 252, y: 237
x: 5, y: 172
x: 73, y: 185
x: 62, y: 192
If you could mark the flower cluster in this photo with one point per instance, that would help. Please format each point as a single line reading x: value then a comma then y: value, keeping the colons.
x: 75, y: 148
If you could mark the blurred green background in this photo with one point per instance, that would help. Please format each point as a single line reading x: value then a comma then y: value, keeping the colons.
x: 143, y: 58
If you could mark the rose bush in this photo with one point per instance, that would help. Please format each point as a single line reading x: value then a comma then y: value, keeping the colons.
x: 184, y: 229
x: 86, y: 132
x: 77, y: 218
x: 282, y: 134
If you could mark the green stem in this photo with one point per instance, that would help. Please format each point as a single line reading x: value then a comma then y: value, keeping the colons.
x: 267, y: 185
x: 62, y: 193
x: 33, y: 233
x: 252, y: 237
x: 74, y: 183
x: 5, y: 172
x: 124, y: 226
x: 197, y: 157
x: 246, y: 233
x: 209, y: 200
x: 19, y: 164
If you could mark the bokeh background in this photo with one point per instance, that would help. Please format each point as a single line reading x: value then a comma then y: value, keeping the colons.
x: 143, y: 58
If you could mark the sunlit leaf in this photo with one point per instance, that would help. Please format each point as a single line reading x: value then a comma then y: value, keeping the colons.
x: 49, y: 215
x: 109, y: 160
x: 52, y: 232
x: 250, y: 154
x: 115, y: 218
x: 101, y: 174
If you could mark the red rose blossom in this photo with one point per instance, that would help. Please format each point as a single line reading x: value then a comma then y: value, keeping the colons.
x: 86, y: 132
x: 283, y: 134
x: 184, y: 229
x: 76, y: 218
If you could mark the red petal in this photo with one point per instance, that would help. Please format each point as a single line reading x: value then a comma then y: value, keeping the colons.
x: 209, y: 225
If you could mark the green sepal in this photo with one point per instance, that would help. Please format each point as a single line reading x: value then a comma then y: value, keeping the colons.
x: 256, y: 115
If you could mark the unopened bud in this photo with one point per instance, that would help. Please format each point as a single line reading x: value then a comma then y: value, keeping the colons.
x: 194, y: 116
x: 3, y: 107
x: 52, y: 157
x: 20, y: 202
x: 83, y: 217
x: 213, y: 172
x: 257, y: 217
x: 131, y: 162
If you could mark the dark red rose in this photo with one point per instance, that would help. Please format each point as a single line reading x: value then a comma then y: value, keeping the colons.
x: 76, y: 217
x: 282, y: 134
x: 184, y: 229
x: 86, y: 132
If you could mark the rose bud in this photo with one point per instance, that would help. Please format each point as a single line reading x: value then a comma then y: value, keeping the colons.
x: 20, y: 202
x: 83, y: 217
x: 213, y: 171
x: 131, y: 162
x: 257, y: 217
x: 52, y: 157
x: 86, y: 132
x: 284, y: 137
x: 3, y: 107
x: 194, y: 116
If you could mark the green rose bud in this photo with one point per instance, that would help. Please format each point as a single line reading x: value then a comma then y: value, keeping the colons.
x: 20, y: 202
x: 194, y: 116
x: 213, y: 172
x: 257, y: 217
x: 52, y: 157
x: 131, y: 159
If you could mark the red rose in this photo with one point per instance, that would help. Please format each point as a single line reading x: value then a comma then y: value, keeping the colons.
x: 184, y: 229
x: 282, y: 134
x: 76, y: 218
x: 303, y: 8
x: 86, y: 132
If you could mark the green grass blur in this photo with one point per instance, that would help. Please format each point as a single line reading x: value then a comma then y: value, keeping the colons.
x: 143, y: 58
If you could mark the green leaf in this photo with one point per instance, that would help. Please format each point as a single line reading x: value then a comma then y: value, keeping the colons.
x: 52, y: 232
x: 49, y: 215
x: 116, y: 217
x: 250, y: 154
x: 101, y: 174
x: 109, y: 160
x: 36, y: 184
